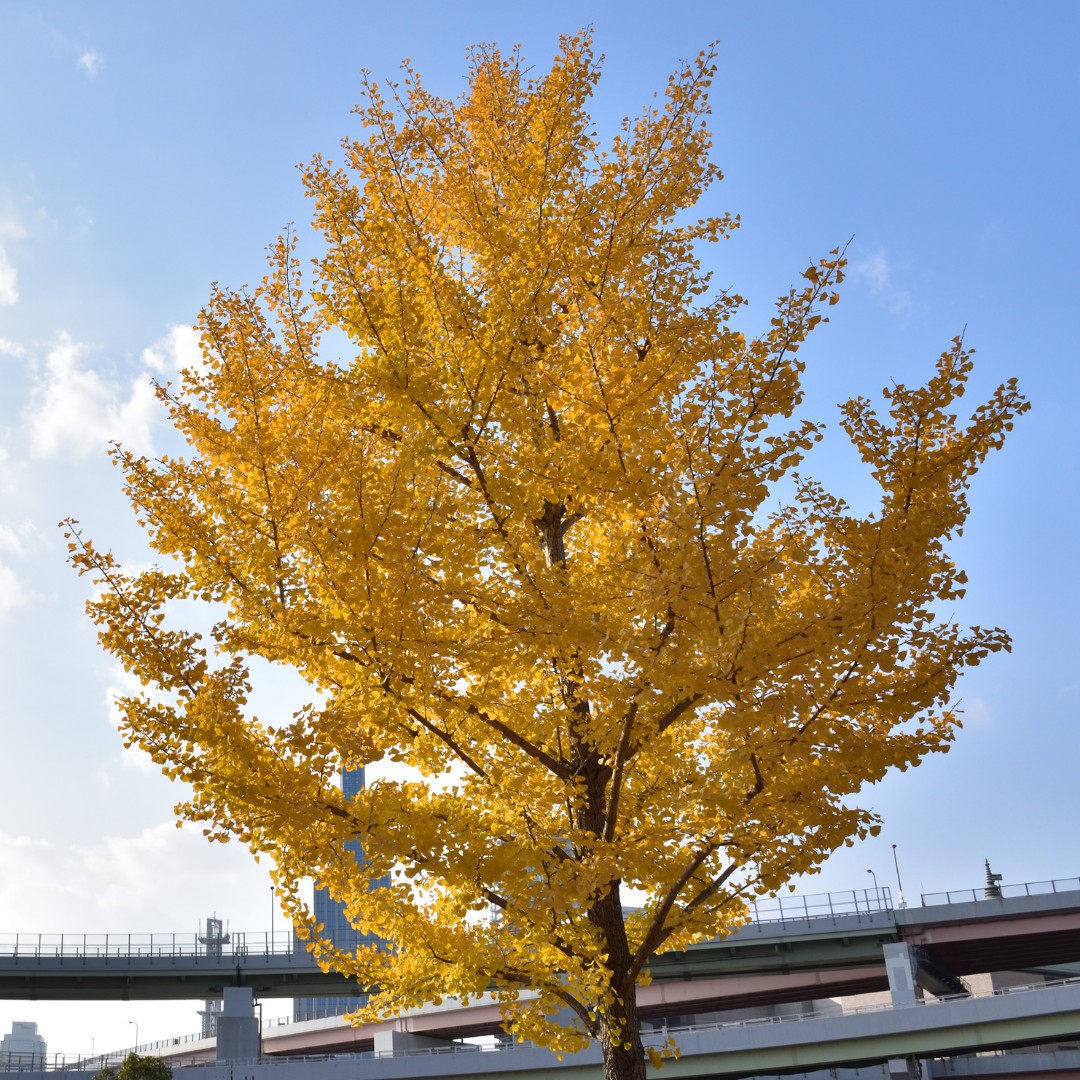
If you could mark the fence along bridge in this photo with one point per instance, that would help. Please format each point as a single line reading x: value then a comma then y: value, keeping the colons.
x: 180, y: 966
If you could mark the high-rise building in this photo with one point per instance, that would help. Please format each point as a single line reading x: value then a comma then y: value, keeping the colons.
x: 341, y: 933
x: 23, y: 1047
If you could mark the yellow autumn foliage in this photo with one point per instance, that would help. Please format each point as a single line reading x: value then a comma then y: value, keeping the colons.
x: 524, y: 538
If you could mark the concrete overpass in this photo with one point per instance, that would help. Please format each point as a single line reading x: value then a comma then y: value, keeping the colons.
x: 799, y: 949
x: 804, y: 933
x: 893, y: 1036
x: 797, y: 956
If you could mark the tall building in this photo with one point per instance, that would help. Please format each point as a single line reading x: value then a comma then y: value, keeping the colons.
x: 23, y: 1047
x: 342, y: 934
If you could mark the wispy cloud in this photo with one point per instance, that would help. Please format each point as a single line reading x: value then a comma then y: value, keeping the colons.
x: 9, y: 292
x: 179, y: 349
x: 11, y: 348
x: 76, y: 410
x: 19, y: 540
x: 91, y: 62
x: 13, y: 594
x: 131, y: 757
x: 976, y: 711
x: 15, y: 542
x: 115, y: 885
x: 876, y: 271
x: 10, y: 229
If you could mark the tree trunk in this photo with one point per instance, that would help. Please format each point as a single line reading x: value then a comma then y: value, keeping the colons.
x: 624, y: 1056
x: 620, y: 1029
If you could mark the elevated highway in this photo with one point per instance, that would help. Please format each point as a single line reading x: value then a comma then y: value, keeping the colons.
x: 889, y: 1041
x: 802, y: 949
x: 724, y: 1051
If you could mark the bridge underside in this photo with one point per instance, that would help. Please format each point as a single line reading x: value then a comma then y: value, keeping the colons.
x: 47, y: 983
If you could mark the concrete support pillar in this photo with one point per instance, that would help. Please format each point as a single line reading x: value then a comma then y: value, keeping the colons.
x: 237, y: 1026
x: 905, y: 1069
x: 397, y: 1042
x: 900, y: 964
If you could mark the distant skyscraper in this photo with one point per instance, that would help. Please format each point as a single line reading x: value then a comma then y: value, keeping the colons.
x: 330, y: 912
x: 23, y: 1047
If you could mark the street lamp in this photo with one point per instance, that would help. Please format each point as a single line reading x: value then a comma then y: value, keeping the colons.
x: 877, y: 891
x: 899, y: 883
x: 135, y: 1022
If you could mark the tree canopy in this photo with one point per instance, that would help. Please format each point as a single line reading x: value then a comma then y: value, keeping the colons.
x: 136, y: 1067
x: 539, y: 536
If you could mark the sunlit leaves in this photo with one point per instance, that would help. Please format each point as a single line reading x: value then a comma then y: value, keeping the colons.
x: 518, y: 541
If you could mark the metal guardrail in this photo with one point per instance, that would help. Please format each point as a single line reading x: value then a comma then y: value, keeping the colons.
x: 820, y: 905
x: 150, y: 946
x: 285, y: 943
x: 1029, y: 888
x: 15, y: 1063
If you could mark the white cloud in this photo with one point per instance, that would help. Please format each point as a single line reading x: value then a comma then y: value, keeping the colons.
x: 179, y: 349
x: 13, y: 594
x: 11, y: 348
x: 132, y: 757
x: 17, y: 541
x: 74, y: 409
x: 877, y: 272
x: 10, y: 227
x: 115, y: 885
x: 976, y: 711
x: 91, y: 62
x: 9, y: 294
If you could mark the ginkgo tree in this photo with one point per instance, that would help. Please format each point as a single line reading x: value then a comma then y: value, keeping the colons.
x: 539, y: 536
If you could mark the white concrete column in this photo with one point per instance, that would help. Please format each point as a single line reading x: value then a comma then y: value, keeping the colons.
x: 237, y: 1026
x: 900, y: 964
x: 399, y: 1042
x: 905, y: 1069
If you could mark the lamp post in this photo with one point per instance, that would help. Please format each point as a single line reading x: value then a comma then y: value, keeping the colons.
x: 877, y: 891
x: 135, y: 1022
x: 899, y: 884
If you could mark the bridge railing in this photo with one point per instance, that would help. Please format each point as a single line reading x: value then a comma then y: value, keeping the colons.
x: 104, y: 946
x: 284, y: 943
x: 12, y: 1062
x: 1028, y: 888
x: 821, y: 905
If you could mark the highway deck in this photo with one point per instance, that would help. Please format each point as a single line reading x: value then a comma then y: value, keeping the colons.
x: 804, y: 954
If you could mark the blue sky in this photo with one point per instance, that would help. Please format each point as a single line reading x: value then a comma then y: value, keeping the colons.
x: 147, y: 150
